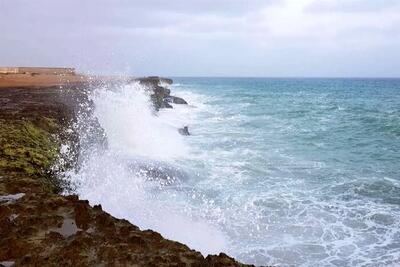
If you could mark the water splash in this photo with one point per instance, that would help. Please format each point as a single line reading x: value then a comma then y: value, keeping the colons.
x: 137, y: 176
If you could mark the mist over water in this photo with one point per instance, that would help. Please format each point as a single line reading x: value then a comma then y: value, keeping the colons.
x: 286, y: 172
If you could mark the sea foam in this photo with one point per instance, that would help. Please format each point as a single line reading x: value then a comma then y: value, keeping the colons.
x: 273, y: 173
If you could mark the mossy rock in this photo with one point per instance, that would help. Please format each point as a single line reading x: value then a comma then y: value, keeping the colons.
x: 30, y: 148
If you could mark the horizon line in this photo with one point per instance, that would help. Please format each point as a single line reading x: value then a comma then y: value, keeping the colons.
x: 286, y: 77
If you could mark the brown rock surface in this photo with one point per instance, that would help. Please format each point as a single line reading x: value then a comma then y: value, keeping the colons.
x: 39, y: 227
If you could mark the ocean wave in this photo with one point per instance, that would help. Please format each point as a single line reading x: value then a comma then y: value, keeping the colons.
x: 287, y: 177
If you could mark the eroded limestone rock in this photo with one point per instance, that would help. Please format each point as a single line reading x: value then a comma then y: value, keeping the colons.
x: 39, y: 227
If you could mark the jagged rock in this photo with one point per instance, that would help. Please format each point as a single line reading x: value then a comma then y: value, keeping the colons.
x: 161, y: 96
x: 184, y: 130
x: 165, y: 104
x: 162, y: 91
x: 154, y: 80
x: 176, y: 100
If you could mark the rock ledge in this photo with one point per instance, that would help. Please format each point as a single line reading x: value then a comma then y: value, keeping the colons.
x: 39, y: 227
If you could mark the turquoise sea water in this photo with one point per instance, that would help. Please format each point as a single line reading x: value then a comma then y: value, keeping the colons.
x: 285, y: 172
x: 304, y: 171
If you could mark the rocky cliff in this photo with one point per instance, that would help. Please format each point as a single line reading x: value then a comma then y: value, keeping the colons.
x: 40, y: 227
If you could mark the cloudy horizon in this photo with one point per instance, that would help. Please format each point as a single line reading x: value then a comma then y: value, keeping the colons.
x: 271, y: 38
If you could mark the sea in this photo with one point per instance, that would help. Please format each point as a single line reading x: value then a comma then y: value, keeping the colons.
x: 275, y: 171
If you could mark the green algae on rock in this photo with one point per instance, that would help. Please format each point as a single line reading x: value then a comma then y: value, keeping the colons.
x: 30, y: 147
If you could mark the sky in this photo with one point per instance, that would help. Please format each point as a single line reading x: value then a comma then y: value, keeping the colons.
x: 269, y: 38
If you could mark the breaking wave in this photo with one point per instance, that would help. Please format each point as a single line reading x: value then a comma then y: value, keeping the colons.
x: 138, y: 176
x: 271, y: 175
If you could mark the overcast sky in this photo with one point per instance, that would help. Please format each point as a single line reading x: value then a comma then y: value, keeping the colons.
x: 205, y: 37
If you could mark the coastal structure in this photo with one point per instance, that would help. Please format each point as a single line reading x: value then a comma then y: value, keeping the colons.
x: 37, y: 70
x: 43, y: 77
x: 40, y: 77
x: 35, y: 77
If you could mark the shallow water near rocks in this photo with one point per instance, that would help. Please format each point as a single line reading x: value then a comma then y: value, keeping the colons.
x: 291, y: 172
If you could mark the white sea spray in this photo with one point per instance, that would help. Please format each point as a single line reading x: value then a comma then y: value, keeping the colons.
x: 118, y: 176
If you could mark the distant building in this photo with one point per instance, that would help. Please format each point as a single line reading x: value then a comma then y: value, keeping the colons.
x: 37, y: 70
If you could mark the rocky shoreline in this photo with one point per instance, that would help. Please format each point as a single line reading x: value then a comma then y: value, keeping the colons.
x: 40, y: 227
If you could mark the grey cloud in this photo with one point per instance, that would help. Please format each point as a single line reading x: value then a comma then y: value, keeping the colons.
x: 177, y: 37
x: 350, y: 6
x: 51, y: 17
x: 105, y: 8
x: 227, y: 7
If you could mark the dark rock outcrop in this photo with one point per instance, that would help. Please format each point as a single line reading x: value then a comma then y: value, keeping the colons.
x: 176, y: 100
x: 155, y: 80
x: 38, y: 226
x: 179, y: 100
x: 161, y: 96
x: 184, y: 130
x: 165, y: 104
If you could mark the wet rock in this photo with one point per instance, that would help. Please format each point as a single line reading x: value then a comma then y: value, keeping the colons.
x: 7, y: 263
x: 221, y: 260
x: 98, y: 207
x: 155, y: 80
x: 176, y: 100
x: 82, y: 216
x: 166, y: 80
x: 162, y: 91
x: 11, y: 198
x: 33, y: 125
x: 67, y: 229
x: 184, y: 130
x: 165, y: 104
x: 159, y: 97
